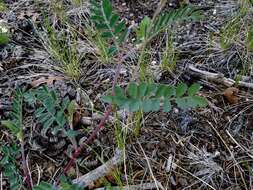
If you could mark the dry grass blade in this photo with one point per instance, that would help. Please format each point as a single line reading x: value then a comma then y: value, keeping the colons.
x: 157, y: 184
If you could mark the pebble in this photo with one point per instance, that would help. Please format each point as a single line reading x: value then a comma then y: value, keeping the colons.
x: 175, y: 110
x: 154, y: 62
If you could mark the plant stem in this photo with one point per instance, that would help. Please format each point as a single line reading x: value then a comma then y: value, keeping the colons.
x: 25, y: 168
x: 100, y: 125
x: 88, y: 141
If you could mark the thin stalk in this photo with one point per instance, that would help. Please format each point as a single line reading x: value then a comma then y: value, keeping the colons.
x: 100, y: 126
x: 141, y: 65
x: 88, y: 141
x: 25, y: 168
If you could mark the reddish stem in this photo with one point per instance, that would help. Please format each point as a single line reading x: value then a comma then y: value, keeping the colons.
x: 26, y: 174
x: 99, y: 127
x: 88, y: 141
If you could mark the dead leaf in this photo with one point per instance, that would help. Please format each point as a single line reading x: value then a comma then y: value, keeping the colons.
x: 231, y: 95
x: 29, y: 13
x: 77, y: 118
x: 43, y: 80
x: 74, y: 114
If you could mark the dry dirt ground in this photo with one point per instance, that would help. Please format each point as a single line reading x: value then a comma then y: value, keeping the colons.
x: 205, y: 148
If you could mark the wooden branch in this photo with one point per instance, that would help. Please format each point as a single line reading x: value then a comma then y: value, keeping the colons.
x: 217, y: 77
x: 143, y: 186
x: 101, y: 171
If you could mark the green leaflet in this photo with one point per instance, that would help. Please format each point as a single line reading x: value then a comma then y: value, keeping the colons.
x: 108, y: 24
x: 150, y: 97
x: 65, y: 184
x: 148, y: 30
x: 181, y: 89
x: 44, y: 186
x: 193, y: 89
x: 51, y: 112
x: 181, y: 14
x: 250, y: 38
x: 16, y: 123
x: 142, y: 31
x: 9, y: 165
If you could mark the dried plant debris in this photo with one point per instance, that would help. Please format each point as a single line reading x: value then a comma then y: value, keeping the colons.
x: 156, y: 93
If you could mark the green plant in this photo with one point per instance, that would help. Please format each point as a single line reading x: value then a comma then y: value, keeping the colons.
x: 2, y: 6
x: 59, y: 10
x: 101, y: 45
x: 77, y: 2
x: 108, y: 24
x: 137, y: 98
x: 229, y: 33
x: 15, y: 125
x: 150, y: 28
x: 65, y: 184
x: 169, y: 56
x: 250, y: 38
x: 50, y: 110
x: 148, y: 97
x: 62, y: 47
x: 9, y: 166
x: 50, y: 113
x: 4, y: 34
x: 245, y: 6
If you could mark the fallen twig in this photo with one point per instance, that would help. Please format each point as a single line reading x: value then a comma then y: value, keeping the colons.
x: 143, y: 186
x: 217, y: 77
x: 101, y: 171
x: 5, y: 107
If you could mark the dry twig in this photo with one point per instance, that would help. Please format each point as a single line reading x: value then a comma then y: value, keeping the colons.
x: 143, y: 186
x: 217, y: 77
x: 101, y: 171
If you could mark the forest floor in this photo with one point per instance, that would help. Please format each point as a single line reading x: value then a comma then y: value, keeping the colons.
x: 204, y: 148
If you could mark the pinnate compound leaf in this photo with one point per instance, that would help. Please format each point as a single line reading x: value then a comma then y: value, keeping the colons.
x: 9, y: 166
x: 108, y: 24
x: 11, y: 126
x: 141, y: 32
x: 149, y: 96
x: 163, y: 21
x: 15, y: 125
x: 107, y: 9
